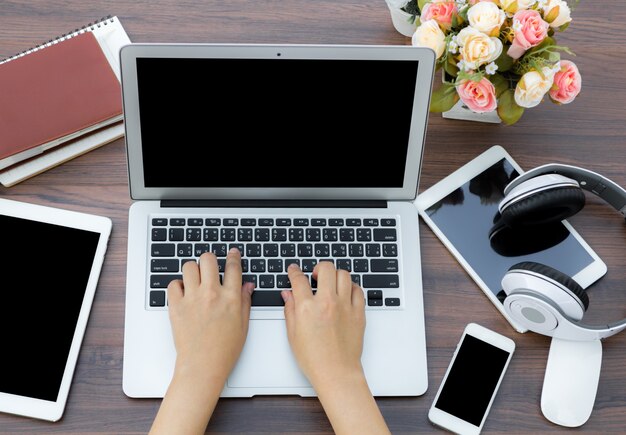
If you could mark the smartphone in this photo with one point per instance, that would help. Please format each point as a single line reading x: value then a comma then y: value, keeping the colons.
x: 461, y: 208
x: 472, y: 380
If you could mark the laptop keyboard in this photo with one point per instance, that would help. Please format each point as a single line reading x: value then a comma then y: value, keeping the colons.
x: 366, y: 247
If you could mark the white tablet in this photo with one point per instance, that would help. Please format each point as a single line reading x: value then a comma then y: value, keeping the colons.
x: 461, y: 209
x: 51, y: 261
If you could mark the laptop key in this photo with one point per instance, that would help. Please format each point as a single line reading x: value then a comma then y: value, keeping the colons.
x: 193, y: 235
x: 159, y: 222
x: 370, y: 222
x: 266, y: 222
x: 390, y: 250
x: 381, y: 281
x: 159, y: 234
x: 219, y: 249
x: 262, y: 234
x: 165, y: 265
x: 301, y: 222
x: 163, y: 249
x: 275, y: 265
x: 201, y: 248
x: 184, y: 250
x: 213, y: 222
x: 354, y: 222
x: 335, y: 222
x: 384, y: 265
x: 392, y: 302
x: 372, y: 250
x: 231, y: 222
x: 282, y: 281
x: 195, y: 222
x: 248, y: 277
x: 266, y: 281
x: 384, y: 234
x: 177, y: 222
x: 388, y: 222
x: 283, y: 222
x: 375, y: 302
x: 248, y: 222
x: 157, y: 298
x: 162, y: 281
x: 177, y: 234
x: 210, y: 235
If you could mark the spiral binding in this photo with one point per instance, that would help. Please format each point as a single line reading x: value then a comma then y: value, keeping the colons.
x: 90, y: 27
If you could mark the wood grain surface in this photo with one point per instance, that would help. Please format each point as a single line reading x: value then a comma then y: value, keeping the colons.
x: 590, y: 132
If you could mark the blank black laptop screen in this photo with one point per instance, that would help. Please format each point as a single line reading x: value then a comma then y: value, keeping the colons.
x: 275, y: 122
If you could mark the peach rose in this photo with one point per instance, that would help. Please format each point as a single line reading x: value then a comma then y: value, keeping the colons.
x: 440, y: 11
x: 480, y: 97
x: 486, y: 17
x: 530, y: 30
x: 567, y: 83
x: 476, y: 48
x: 428, y: 34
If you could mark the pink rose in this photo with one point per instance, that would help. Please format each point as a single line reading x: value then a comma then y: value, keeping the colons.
x: 440, y: 11
x: 530, y: 29
x: 567, y: 83
x: 480, y: 96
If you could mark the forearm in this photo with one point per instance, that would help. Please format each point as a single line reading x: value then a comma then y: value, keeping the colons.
x: 350, y: 406
x: 188, y: 403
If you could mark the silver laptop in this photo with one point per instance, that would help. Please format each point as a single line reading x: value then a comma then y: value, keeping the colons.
x: 292, y: 154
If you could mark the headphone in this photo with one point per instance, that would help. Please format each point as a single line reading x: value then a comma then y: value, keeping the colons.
x: 539, y: 297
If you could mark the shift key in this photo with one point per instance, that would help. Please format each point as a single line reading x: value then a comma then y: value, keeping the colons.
x: 381, y: 281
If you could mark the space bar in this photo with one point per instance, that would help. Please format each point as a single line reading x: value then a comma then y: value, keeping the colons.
x: 267, y: 298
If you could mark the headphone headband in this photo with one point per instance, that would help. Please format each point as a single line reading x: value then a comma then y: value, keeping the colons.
x: 588, y: 180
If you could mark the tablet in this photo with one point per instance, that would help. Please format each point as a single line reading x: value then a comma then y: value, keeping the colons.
x: 461, y: 210
x: 51, y: 260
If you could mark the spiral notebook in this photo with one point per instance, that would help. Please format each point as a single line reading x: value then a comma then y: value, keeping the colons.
x: 64, y: 92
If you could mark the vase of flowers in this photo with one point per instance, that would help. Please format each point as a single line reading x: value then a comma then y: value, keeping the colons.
x: 404, y: 15
x: 500, y: 57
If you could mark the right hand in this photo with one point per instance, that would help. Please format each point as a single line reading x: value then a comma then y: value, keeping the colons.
x: 326, y: 330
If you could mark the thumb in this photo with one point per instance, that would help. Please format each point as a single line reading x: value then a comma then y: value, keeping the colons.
x: 290, y: 309
x: 246, y: 300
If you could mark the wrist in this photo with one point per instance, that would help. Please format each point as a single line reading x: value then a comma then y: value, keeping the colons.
x: 332, y: 381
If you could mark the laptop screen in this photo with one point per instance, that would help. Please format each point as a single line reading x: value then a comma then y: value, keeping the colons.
x: 328, y: 123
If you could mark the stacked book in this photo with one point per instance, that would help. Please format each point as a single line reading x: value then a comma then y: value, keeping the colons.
x: 60, y: 99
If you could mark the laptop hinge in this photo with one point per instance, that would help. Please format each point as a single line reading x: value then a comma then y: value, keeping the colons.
x: 278, y: 203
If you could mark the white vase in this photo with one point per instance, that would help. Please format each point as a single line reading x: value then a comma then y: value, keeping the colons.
x: 461, y: 111
x: 402, y: 21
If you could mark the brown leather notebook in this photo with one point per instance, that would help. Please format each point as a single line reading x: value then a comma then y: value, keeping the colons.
x: 55, y: 94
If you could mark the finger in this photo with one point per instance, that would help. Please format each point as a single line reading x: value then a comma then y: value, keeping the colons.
x: 290, y: 311
x: 232, y: 271
x: 300, y: 285
x: 326, y: 277
x: 191, y: 275
x: 175, y: 291
x: 246, y: 302
x: 209, y: 271
x: 344, y: 285
x: 358, y: 297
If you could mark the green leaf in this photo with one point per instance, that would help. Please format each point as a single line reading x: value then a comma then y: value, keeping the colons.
x: 444, y: 98
x: 541, y: 47
x: 421, y: 3
x: 564, y: 26
x: 450, y: 67
x: 500, y: 83
x: 504, y: 62
x: 508, y: 110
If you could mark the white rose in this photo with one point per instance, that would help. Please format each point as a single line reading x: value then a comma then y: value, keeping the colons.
x: 558, y: 12
x: 476, y: 48
x: 428, y: 34
x: 532, y: 87
x: 512, y: 6
x: 486, y: 17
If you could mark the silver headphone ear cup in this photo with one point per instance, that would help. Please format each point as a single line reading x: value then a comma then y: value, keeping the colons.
x: 546, y: 206
x: 551, y: 284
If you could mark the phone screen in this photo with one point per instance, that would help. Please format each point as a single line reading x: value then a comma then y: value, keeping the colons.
x: 472, y: 380
x: 466, y: 217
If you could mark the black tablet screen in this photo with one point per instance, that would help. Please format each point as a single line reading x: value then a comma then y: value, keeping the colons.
x: 45, y: 269
x: 466, y: 217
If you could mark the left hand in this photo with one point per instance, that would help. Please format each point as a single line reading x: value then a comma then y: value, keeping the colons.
x: 210, y: 320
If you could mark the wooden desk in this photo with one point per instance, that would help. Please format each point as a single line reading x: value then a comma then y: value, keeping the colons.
x: 590, y: 132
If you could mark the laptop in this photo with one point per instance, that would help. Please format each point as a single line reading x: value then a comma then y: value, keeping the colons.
x: 292, y: 153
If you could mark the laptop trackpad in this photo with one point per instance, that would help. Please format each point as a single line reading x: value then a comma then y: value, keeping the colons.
x: 266, y: 359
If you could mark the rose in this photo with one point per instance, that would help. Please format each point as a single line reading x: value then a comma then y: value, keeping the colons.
x: 428, y: 34
x: 476, y: 48
x: 512, y: 6
x: 567, y: 83
x: 556, y: 13
x: 440, y: 11
x: 530, y: 29
x: 532, y: 87
x: 486, y: 17
x: 479, y: 96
